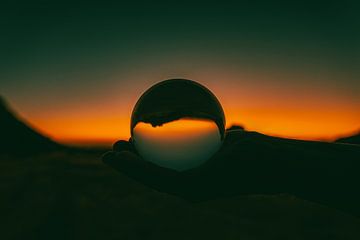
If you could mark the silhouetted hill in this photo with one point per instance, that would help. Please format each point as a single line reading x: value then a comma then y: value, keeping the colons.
x: 19, y: 138
x: 235, y: 127
x: 354, y: 139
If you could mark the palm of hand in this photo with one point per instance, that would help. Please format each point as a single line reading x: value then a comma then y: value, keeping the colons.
x: 237, y: 168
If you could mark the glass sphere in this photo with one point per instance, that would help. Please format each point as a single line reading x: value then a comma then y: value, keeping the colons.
x: 177, y: 124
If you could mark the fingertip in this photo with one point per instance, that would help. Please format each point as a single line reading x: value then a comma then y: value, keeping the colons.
x: 107, y: 157
x: 123, y: 158
x: 122, y: 145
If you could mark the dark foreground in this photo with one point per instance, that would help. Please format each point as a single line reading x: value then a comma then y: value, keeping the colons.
x: 75, y: 196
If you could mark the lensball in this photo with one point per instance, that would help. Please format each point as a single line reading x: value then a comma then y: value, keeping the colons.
x: 177, y: 124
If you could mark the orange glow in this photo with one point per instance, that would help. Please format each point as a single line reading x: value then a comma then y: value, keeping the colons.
x: 311, y: 124
x: 299, y: 112
x: 308, y: 124
x: 103, y: 131
x: 184, y: 128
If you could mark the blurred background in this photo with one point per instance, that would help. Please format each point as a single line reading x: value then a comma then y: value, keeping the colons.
x: 75, y: 70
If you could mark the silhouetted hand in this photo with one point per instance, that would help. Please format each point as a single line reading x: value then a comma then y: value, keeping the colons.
x: 215, y: 178
x: 252, y: 163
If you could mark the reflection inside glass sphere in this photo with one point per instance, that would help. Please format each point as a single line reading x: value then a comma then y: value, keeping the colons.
x: 177, y: 124
x: 180, y: 145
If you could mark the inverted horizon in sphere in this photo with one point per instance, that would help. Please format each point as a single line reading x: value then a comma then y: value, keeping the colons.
x: 180, y: 145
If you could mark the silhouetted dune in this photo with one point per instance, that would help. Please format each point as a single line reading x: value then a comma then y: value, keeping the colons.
x: 17, y: 137
x: 354, y: 139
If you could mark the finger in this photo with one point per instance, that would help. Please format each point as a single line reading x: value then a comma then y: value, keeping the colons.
x: 149, y: 174
x: 115, y: 158
x: 123, y: 145
x: 125, y: 161
x: 130, y: 162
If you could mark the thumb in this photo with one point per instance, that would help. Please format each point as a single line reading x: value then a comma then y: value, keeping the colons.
x: 122, y: 160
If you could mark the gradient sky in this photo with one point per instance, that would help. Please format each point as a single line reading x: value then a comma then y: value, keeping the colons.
x: 75, y: 71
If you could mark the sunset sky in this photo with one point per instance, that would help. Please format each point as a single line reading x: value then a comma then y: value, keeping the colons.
x: 75, y: 71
